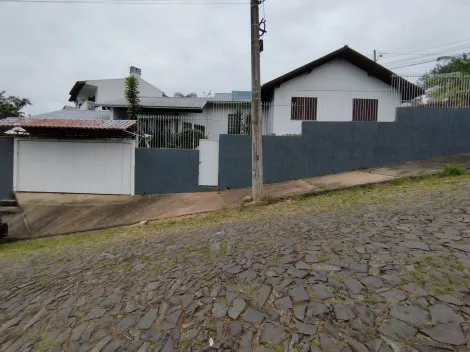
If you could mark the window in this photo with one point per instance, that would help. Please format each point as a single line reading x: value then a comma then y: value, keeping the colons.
x: 304, y: 109
x: 187, y: 126
x: 200, y: 128
x: 365, y: 109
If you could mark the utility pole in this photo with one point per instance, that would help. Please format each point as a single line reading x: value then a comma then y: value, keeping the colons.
x: 257, y: 141
x: 375, y: 55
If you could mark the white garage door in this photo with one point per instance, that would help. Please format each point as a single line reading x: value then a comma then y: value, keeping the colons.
x: 74, y: 166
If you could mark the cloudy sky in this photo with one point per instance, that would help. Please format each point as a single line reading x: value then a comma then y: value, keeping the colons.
x: 188, y: 47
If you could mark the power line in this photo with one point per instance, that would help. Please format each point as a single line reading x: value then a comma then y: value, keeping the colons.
x: 448, y: 51
x: 438, y: 46
x: 129, y: 2
x: 458, y: 47
x: 414, y: 64
x: 429, y: 54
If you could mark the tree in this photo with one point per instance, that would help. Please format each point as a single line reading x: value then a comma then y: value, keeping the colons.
x: 448, y: 83
x: 132, y: 96
x: 460, y: 63
x: 181, y: 95
x: 10, y: 106
x: 187, y: 139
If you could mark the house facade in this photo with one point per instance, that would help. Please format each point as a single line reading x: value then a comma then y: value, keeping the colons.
x: 341, y: 86
x: 225, y: 113
x: 90, y: 94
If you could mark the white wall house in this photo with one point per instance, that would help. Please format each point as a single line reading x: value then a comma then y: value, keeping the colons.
x: 341, y: 86
x: 90, y: 94
x: 212, y: 116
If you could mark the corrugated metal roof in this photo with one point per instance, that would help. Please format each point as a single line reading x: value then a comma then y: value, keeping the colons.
x: 75, y: 115
x: 222, y: 97
x: 65, y: 123
x: 162, y: 102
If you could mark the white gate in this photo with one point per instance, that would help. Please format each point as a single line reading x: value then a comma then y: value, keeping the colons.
x: 208, y: 162
x: 72, y: 166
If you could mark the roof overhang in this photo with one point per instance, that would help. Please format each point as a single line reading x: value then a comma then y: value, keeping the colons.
x: 77, y: 87
x: 159, y: 108
x: 72, y: 128
x: 407, y: 89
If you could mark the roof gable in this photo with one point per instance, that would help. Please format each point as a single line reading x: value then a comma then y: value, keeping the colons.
x: 407, y: 89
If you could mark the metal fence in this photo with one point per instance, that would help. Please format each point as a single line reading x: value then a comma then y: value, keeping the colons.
x: 184, y: 130
x: 450, y: 90
x: 175, y: 131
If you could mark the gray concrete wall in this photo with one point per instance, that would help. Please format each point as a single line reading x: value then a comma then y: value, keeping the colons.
x: 332, y: 147
x: 160, y: 171
x: 6, y: 166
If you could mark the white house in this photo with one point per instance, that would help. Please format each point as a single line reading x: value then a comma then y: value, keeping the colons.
x: 88, y: 95
x: 341, y: 86
x: 222, y: 114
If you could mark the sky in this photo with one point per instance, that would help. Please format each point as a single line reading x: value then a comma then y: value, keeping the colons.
x: 47, y: 47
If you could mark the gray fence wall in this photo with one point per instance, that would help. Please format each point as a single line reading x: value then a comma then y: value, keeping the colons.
x: 332, y: 147
x: 160, y: 171
x: 6, y: 166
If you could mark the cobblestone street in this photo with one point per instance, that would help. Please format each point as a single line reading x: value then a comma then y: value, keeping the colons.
x: 386, y: 274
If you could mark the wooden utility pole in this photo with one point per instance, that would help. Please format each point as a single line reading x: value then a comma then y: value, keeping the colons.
x: 257, y: 141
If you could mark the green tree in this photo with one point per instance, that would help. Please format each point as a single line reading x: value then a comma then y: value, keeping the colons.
x: 460, y: 63
x: 11, y: 106
x: 448, y: 83
x: 132, y: 97
x: 187, y: 139
x: 181, y: 95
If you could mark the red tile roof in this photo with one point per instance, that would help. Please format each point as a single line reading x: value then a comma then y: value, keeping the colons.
x: 75, y: 124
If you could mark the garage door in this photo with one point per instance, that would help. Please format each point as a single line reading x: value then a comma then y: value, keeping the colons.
x: 74, y: 167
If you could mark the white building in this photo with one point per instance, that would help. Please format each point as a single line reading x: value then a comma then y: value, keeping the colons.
x: 341, y: 86
x: 225, y: 113
x: 90, y: 94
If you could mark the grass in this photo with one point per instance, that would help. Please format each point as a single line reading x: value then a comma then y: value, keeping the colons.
x: 453, y: 170
x: 277, y: 348
x: 398, y: 181
x: 346, y: 200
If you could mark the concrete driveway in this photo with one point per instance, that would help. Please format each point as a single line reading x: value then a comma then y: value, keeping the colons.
x: 52, y: 214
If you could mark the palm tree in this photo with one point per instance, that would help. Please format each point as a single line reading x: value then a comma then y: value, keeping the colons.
x: 460, y: 63
x: 449, y: 81
x: 131, y: 92
x: 181, y: 95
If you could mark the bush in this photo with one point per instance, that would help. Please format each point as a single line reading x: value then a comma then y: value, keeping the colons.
x: 453, y: 170
x: 187, y: 139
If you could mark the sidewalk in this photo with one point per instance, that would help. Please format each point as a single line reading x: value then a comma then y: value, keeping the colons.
x: 46, y: 214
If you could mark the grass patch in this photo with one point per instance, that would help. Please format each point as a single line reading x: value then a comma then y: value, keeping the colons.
x: 346, y: 200
x: 277, y: 348
x: 453, y: 170
x: 370, y: 300
x: 398, y: 181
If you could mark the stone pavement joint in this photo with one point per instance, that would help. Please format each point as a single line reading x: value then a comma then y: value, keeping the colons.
x: 382, y: 276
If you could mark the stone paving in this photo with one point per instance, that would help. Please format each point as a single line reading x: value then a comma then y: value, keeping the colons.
x: 391, y: 276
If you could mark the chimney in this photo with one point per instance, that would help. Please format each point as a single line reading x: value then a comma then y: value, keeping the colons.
x: 134, y: 71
